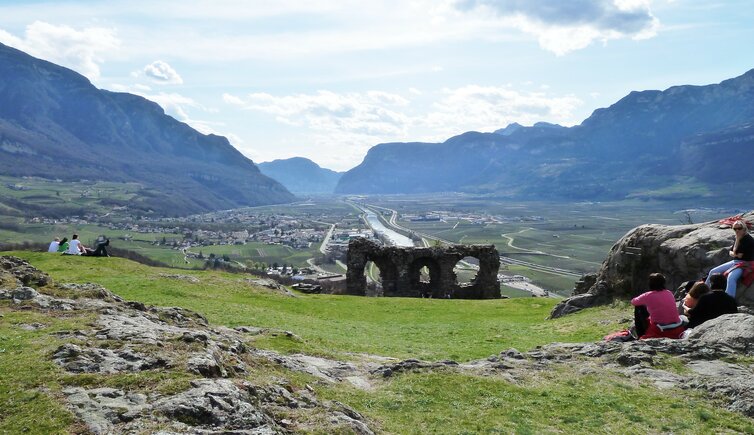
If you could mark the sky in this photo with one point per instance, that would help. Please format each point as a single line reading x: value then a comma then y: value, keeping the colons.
x: 329, y: 79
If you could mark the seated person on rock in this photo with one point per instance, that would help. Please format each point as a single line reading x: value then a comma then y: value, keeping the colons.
x: 664, y: 320
x: 741, y: 266
x: 713, y: 304
x: 697, y: 290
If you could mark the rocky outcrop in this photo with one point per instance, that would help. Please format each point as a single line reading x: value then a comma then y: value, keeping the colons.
x: 681, y: 253
x: 714, y: 360
x: 130, y: 337
x: 222, y: 393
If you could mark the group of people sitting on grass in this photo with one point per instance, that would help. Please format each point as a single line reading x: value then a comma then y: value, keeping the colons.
x: 659, y: 313
x: 75, y: 247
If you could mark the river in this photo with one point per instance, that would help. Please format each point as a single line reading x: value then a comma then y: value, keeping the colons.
x: 396, y: 239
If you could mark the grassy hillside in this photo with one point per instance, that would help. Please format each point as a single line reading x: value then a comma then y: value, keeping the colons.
x: 431, y: 329
x: 549, y: 401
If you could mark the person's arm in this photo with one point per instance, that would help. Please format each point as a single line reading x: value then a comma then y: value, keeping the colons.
x: 639, y: 300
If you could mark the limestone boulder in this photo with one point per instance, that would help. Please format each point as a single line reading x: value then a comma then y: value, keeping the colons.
x: 680, y: 252
x: 732, y: 330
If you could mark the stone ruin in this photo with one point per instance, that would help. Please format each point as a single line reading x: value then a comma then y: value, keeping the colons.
x: 400, y: 270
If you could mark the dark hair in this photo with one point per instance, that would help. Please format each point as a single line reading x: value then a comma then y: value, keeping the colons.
x: 63, y: 240
x: 698, y: 290
x: 75, y: 236
x: 657, y: 281
x: 718, y: 281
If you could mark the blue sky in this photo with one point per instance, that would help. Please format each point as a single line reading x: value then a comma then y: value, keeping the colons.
x: 329, y: 79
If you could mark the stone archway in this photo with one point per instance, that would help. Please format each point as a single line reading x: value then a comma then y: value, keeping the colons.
x: 400, y: 270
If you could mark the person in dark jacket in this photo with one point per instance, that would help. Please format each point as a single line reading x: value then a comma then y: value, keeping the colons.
x: 713, y: 304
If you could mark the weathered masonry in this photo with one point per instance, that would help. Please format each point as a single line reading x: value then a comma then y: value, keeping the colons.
x: 400, y: 270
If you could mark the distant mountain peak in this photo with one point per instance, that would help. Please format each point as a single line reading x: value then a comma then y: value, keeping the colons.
x: 301, y: 175
x: 636, y: 147
x: 509, y: 129
x: 58, y: 116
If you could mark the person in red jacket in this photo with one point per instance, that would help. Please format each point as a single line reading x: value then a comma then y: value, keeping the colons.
x: 664, y: 320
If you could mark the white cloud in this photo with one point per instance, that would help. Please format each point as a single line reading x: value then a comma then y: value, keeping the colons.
x: 487, y: 108
x: 564, y: 26
x: 342, y: 127
x: 161, y: 72
x: 371, y: 112
x: 81, y: 50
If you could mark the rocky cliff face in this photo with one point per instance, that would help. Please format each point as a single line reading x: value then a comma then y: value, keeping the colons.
x: 617, y: 151
x: 681, y: 253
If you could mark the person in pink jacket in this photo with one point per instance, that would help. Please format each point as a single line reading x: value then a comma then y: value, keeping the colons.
x: 664, y: 320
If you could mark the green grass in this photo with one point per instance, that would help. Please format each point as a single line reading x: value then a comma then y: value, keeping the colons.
x: 27, y: 374
x: 400, y: 327
x: 559, y: 401
x: 556, y: 400
x: 262, y: 253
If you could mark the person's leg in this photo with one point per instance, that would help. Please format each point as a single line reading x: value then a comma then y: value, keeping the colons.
x: 719, y: 269
x: 641, y: 320
x: 733, y: 278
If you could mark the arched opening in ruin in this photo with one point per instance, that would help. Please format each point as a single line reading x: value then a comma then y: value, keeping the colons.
x: 424, y: 276
x: 373, y: 276
x: 466, y: 270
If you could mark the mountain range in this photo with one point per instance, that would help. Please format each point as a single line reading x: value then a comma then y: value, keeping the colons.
x: 55, y: 124
x: 686, y: 140
x: 301, y: 176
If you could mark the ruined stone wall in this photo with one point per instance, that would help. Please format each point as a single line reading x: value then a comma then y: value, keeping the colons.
x: 400, y: 269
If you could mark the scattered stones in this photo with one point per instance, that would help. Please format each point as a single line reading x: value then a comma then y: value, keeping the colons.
x: 512, y: 353
x: 410, y: 365
x: 250, y: 330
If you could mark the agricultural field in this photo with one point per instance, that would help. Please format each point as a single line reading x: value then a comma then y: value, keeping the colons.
x: 30, y: 195
x: 552, y: 244
x: 262, y: 253
x: 575, y: 237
